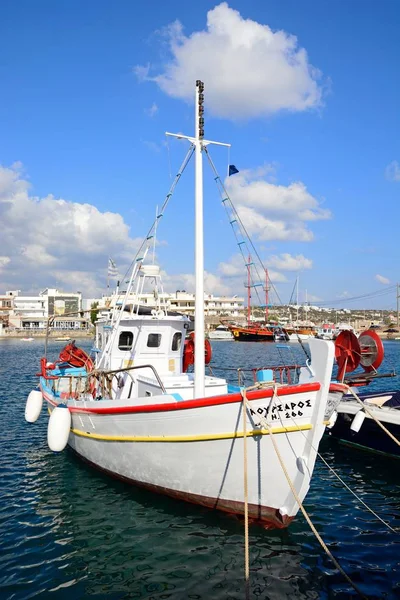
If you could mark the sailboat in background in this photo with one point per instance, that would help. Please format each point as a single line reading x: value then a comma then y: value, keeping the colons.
x: 253, y: 331
x: 296, y: 331
x: 139, y: 413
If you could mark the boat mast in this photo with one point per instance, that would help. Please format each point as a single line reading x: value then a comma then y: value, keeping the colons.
x: 266, y: 296
x: 199, y: 364
x: 199, y: 144
x: 297, y: 300
x: 248, y: 293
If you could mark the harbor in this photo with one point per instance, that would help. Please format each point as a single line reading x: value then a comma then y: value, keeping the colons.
x: 69, y: 531
x: 199, y: 308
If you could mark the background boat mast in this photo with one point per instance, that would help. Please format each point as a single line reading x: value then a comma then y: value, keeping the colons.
x: 248, y: 292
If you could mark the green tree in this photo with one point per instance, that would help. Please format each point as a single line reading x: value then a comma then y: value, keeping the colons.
x: 93, y: 312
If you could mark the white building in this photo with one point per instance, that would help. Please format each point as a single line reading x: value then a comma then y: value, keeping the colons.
x: 60, y: 309
x: 183, y: 302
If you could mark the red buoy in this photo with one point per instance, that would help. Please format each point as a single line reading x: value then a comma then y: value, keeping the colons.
x: 188, y: 352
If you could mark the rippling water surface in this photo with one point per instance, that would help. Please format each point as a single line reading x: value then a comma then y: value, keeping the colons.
x: 69, y: 532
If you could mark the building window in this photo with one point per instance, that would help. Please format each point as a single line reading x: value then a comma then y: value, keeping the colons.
x: 125, y: 341
x: 154, y: 340
x: 176, y: 341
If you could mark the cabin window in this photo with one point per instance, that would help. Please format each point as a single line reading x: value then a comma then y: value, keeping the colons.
x: 125, y: 341
x: 176, y: 341
x: 154, y: 340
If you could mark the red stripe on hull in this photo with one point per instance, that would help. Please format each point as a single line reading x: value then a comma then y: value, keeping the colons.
x: 338, y: 387
x: 200, y: 403
x: 269, y: 518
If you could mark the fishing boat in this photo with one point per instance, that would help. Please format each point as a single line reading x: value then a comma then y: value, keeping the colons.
x: 254, y: 332
x: 27, y: 339
x: 145, y: 411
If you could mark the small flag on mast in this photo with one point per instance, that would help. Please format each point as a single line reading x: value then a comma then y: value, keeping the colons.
x: 233, y: 170
x: 112, y: 269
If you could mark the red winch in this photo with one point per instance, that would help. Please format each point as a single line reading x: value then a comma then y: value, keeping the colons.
x: 350, y: 352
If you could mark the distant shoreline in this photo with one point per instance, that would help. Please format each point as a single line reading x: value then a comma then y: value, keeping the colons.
x: 53, y: 336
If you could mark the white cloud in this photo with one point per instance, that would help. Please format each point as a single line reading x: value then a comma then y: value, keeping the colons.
x: 55, y: 243
x: 213, y: 284
x: 312, y: 298
x: 382, y: 279
x: 248, y: 69
x: 287, y: 262
x: 274, y: 212
x: 4, y: 261
x: 153, y: 110
x: 235, y: 268
x: 392, y: 171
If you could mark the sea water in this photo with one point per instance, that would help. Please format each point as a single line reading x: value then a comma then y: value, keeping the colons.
x: 67, y: 531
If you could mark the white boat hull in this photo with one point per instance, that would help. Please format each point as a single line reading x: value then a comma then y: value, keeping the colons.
x: 220, y: 335
x: 194, y: 449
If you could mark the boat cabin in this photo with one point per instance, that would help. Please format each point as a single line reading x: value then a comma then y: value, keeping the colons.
x: 146, y: 345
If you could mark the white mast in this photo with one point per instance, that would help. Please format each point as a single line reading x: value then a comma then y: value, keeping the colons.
x: 199, y: 143
x: 199, y: 365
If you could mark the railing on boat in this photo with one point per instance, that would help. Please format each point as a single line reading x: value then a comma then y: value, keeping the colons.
x: 285, y: 374
x: 99, y: 383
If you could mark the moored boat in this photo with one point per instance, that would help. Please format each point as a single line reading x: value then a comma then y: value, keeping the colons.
x: 140, y: 412
x: 220, y: 333
x: 356, y: 424
x: 252, y: 333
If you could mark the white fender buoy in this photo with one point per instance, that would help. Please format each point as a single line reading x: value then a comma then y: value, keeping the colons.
x: 58, y: 428
x: 358, y: 421
x: 332, y: 420
x: 33, y: 406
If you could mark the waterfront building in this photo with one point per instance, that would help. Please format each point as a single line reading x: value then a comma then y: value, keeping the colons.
x: 21, y: 313
x: 181, y: 301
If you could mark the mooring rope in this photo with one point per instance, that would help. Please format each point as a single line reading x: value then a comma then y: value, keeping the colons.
x: 246, y: 508
x: 343, y: 482
x: 354, y: 494
x: 299, y: 502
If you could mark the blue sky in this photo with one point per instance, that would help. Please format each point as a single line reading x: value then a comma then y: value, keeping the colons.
x: 88, y: 90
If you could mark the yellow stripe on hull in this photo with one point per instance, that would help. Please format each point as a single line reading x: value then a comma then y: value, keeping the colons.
x: 188, y: 438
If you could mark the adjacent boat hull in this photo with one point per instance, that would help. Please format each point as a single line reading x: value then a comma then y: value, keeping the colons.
x: 370, y: 436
